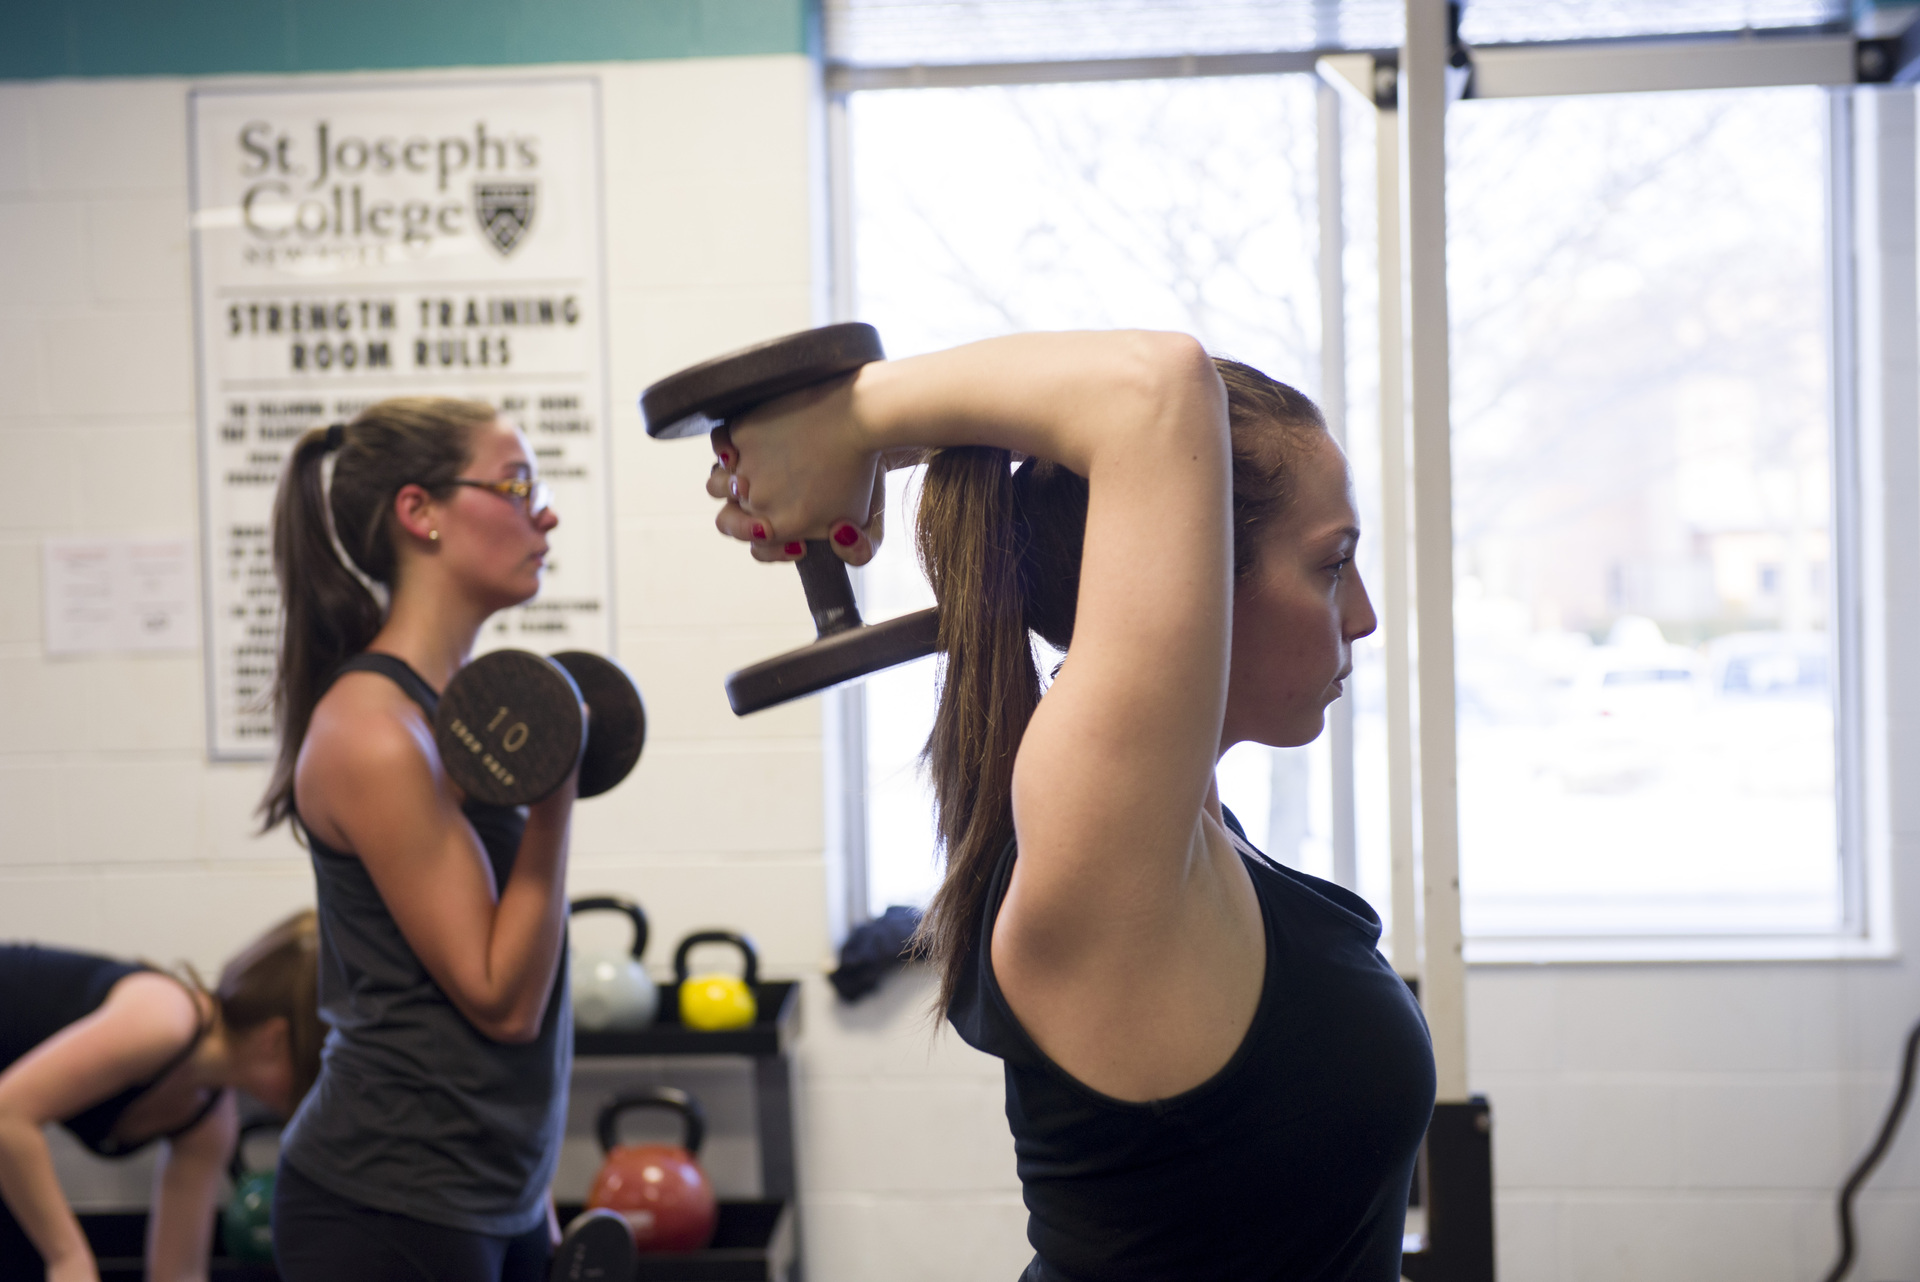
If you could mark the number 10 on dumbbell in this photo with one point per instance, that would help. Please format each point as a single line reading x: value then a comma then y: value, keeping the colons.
x: 509, y: 727
x: 511, y: 740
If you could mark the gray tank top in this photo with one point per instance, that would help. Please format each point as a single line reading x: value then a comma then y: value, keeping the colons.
x: 416, y: 1111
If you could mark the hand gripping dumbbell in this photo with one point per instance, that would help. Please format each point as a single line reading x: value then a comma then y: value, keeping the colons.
x: 509, y: 726
x: 708, y: 395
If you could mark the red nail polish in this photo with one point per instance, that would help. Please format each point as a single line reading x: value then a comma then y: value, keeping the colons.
x: 760, y: 532
x: 846, y: 536
x: 796, y: 549
x: 726, y: 458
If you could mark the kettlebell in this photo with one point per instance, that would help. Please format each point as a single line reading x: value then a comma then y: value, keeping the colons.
x: 246, y: 1221
x: 659, y: 1189
x: 716, y: 1001
x: 612, y: 992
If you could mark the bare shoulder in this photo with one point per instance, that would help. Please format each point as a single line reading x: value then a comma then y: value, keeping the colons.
x: 153, y: 1009
x: 364, y: 721
x: 366, y: 737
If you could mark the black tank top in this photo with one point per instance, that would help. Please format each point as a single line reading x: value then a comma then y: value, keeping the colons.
x: 42, y: 990
x: 1291, y: 1163
x: 415, y: 1110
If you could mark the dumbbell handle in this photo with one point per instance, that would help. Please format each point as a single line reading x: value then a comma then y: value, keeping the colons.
x: 829, y: 589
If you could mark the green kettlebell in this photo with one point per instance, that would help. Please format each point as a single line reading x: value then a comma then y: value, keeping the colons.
x: 246, y: 1221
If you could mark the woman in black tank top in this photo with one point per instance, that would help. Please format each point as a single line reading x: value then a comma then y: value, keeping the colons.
x: 433, y: 1130
x: 1210, y: 1070
x: 122, y: 1056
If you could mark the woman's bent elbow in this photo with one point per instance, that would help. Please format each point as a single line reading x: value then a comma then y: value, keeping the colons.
x: 1173, y: 369
x: 511, y: 1030
x: 508, y: 1024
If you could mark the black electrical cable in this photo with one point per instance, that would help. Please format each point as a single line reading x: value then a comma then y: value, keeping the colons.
x: 1901, y: 1095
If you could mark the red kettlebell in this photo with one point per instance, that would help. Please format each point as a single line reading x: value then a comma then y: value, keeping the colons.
x: 659, y: 1189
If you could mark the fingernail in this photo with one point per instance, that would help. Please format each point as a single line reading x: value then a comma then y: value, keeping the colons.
x: 760, y: 532
x: 726, y: 458
x: 796, y: 549
x: 846, y: 536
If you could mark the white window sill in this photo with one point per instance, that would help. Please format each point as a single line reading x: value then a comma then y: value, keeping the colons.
x: 1537, y: 951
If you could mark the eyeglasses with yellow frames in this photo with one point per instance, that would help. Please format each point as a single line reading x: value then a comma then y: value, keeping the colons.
x: 532, y: 497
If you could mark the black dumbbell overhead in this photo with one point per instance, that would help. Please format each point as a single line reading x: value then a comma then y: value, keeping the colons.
x: 509, y: 727
x: 705, y: 396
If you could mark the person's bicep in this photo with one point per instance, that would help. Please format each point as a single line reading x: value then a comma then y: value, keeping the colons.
x: 144, y: 1022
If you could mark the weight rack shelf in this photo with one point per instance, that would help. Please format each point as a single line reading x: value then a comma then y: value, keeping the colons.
x: 771, y: 1034
x: 754, y: 1242
x: 118, y: 1239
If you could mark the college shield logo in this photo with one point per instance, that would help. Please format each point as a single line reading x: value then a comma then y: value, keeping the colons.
x: 505, y: 211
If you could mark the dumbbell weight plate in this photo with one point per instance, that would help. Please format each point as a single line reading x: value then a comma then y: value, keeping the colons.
x: 702, y: 397
x: 831, y: 660
x: 616, y: 721
x: 509, y: 727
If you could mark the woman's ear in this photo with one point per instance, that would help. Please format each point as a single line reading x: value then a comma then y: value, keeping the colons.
x: 417, y: 512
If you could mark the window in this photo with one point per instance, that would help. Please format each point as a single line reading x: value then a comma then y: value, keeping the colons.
x: 1642, y: 481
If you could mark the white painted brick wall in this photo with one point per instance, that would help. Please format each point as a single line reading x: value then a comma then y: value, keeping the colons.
x: 1652, y: 1123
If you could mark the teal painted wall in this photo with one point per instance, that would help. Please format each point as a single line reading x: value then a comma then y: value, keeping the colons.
x: 44, y: 38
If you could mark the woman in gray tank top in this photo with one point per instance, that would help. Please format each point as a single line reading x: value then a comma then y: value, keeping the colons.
x: 426, y: 1147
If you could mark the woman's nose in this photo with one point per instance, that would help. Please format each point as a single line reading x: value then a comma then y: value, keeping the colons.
x: 1358, y: 616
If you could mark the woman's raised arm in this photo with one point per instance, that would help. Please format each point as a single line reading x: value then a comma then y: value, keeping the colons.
x: 1123, y: 899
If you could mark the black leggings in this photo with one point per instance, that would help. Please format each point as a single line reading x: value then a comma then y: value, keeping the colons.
x: 321, y: 1237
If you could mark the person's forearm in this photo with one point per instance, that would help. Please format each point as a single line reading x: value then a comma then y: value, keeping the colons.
x: 32, y: 1192
x: 186, y: 1189
x: 180, y: 1229
x: 1066, y: 397
x: 529, y: 925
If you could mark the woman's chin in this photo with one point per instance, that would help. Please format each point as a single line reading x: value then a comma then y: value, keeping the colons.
x: 1295, y: 732
x: 1311, y: 728
x: 515, y: 594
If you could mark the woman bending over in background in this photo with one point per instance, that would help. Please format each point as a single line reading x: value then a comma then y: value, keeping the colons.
x: 1211, y: 1072
x: 426, y: 1146
x: 122, y: 1055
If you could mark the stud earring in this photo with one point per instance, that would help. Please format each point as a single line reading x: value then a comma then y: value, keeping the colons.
x: 434, y: 535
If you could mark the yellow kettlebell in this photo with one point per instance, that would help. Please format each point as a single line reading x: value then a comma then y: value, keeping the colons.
x: 717, y: 1001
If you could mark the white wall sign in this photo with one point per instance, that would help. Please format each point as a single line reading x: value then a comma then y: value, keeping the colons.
x: 114, y: 595
x: 351, y: 244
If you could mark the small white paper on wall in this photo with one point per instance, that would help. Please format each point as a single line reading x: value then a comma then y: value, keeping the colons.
x: 112, y: 595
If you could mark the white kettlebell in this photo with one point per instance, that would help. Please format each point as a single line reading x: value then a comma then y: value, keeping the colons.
x: 612, y: 992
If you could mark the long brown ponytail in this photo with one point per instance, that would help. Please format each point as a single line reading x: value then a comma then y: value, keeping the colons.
x: 1001, y: 547
x: 327, y: 612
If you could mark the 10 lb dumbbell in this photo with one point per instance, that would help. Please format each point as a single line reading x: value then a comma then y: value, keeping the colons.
x: 509, y: 727
x: 713, y: 393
